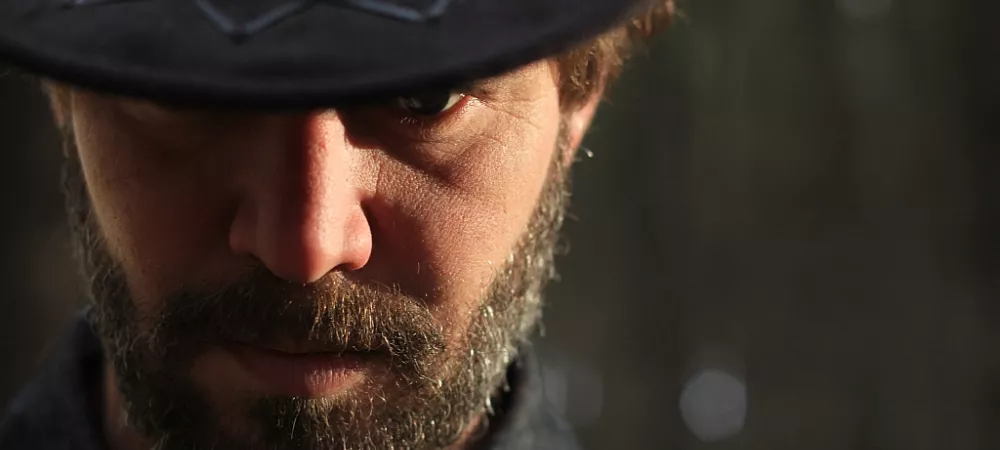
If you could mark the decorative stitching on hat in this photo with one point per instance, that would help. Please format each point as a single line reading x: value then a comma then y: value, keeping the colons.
x: 399, y: 12
x: 78, y: 3
x: 241, y: 31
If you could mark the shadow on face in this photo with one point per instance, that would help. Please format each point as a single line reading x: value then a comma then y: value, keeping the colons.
x: 353, y: 275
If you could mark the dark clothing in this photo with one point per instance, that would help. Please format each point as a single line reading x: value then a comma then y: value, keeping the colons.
x: 61, y: 409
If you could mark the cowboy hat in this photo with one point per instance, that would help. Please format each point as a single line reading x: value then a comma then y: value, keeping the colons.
x: 289, y: 53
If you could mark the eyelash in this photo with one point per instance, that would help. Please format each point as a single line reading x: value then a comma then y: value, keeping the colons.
x: 417, y: 120
x: 431, y: 127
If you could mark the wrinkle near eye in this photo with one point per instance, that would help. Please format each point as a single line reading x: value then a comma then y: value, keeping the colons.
x: 524, y: 117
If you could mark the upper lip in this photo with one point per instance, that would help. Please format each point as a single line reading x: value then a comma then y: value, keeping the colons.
x: 290, y: 347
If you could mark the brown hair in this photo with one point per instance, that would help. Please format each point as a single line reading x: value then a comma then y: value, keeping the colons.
x: 586, y: 69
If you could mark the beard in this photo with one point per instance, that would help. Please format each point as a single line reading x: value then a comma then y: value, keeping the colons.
x: 437, y: 391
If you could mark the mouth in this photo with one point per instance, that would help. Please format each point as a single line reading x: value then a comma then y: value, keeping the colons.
x: 301, y: 371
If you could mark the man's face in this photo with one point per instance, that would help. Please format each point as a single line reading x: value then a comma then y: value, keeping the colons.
x: 353, y: 278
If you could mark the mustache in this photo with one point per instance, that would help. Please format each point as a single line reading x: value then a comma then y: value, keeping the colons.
x: 333, y: 314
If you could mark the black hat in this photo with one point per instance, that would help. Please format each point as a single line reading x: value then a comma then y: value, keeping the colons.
x: 289, y: 53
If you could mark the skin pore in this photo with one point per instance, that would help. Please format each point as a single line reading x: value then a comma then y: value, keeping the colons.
x: 417, y: 245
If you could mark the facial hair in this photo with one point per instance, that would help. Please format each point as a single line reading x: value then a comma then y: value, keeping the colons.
x: 438, y: 391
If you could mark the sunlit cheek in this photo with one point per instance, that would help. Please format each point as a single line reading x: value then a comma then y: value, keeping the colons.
x: 471, y: 227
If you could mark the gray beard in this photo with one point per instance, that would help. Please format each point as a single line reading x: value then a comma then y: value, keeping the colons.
x: 439, y: 391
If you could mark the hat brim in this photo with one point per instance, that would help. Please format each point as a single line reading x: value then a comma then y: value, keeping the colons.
x: 321, y: 54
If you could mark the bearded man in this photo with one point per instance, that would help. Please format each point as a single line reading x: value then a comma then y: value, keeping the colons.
x: 311, y: 224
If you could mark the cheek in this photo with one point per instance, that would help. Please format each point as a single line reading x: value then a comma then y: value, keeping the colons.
x: 159, y: 215
x: 457, y: 228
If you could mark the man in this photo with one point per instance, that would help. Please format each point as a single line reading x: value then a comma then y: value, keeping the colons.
x: 311, y: 224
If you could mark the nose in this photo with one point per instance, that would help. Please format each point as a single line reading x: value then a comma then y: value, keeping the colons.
x: 299, y: 210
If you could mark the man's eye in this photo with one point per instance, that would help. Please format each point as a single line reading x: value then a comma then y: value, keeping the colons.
x: 429, y: 104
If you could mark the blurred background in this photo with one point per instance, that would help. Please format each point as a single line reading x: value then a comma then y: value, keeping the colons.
x: 784, y: 238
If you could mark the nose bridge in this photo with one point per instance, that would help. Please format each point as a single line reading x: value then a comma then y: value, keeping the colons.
x: 302, y: 215
x: 315, y: 171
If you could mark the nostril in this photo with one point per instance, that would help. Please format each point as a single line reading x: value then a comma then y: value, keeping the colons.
x: 242, y: 230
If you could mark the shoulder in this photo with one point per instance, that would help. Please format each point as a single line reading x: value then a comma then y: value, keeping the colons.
x: 20, y: 430
x: 56, y: 410
x: 531, y: 422
x: 35, y: 420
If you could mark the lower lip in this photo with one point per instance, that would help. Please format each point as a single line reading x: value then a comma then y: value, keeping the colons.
x: 312, y: 375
